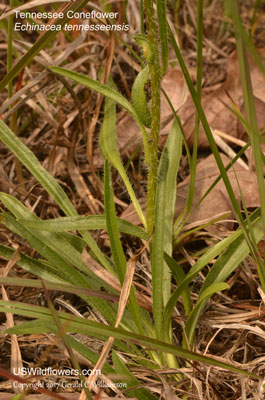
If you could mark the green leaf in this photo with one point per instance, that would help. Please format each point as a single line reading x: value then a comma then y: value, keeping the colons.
x: 208, y: 132
x: 62, y: 287
x: 112, y: 226
x: 26, y: 156
x: 157, y: 249
x: 139, y: 97
x: 180, y: 277
x: 37, y: 267
x: 162, y: 24
x: 78, y: 223
x: 72, y: 323
x: 52, y: 240
x: 109, y: 149
x: 174, y: 150
x: 17, y: 397
x: 89, y: 354
x: 116, y: 247
x: 196, y: 311
x: 59, y: 266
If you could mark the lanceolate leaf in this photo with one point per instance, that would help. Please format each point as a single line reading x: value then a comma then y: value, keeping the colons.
x: 78, y: 223
x: 39, y: 268
x: 76, y: 324
x: 174, y: 149
x: 58, y: 287
x: 27, y: 158
x: 162, y: 22
x: 117, y: 250
x: 157, y: 253
x: 112, y: 226
x: 139, y: 97
x: 109, y: 149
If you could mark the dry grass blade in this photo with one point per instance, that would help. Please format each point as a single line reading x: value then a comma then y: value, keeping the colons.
x: 143, y: 300
x: 99, y: 271
x: 254, y: 329
x: 228, y: 150
x: 125, y: 292
x: 16, y: 358
x: 262, y: 294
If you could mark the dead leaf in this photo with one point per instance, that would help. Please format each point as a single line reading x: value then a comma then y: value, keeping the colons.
x: 217, y: 202
x: 215, y: 104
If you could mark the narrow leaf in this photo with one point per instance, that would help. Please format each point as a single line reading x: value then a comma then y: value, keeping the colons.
x: 78, y: 223
x: 91, y: 328
x: 109, y: 149
x: 157, y: 250
x: 139, y: 97
x: 162, y: 23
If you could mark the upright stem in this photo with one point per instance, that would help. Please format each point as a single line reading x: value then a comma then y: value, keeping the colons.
x: 154, y: 69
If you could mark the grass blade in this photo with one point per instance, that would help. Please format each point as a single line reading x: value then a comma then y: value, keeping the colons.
x: 117, y: 251
x: 58, y: 286
x: 249, y: 103
x: 214, y: 148
x: 193, y: 317
x: 32, y: 164
x: 37, y: 267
